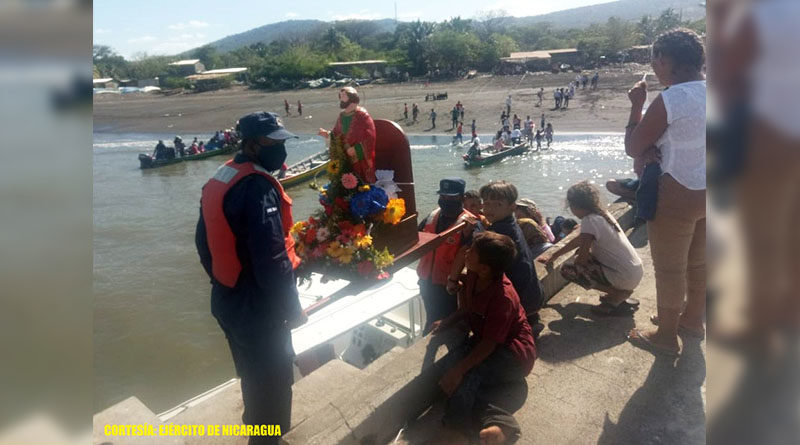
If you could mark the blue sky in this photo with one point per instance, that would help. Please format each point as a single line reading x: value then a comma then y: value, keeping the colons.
x: 173, y: 26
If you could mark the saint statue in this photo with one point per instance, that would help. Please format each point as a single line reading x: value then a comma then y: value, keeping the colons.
x: 357, y: 130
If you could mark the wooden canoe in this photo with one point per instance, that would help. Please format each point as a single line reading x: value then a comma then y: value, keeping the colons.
x: 492, y: 157
x: 306, y: 170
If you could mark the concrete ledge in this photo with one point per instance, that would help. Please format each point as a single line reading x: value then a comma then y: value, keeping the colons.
x: 130, y: 411
x: 381, y: 402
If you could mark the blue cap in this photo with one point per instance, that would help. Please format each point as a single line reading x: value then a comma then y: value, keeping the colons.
x: 262, y: 123
x: 452, y: 187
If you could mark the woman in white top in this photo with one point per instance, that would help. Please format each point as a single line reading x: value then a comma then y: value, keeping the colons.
x: 675, y: 123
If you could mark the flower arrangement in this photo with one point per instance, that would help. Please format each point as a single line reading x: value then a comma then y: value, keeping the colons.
x: 337, y: 238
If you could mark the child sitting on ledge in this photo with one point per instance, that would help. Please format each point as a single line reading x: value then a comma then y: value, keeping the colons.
x: 498, y: 356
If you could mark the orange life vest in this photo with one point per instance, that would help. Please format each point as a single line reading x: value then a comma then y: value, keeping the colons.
x: 225, y: 263
x: 435, y: 266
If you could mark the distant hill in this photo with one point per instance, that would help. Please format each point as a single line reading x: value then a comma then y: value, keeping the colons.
x: 623, y: 9
x: 291, y: 29
x: 570, y: 18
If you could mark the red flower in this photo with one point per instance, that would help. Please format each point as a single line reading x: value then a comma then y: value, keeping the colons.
x: 328, y: 210
x: 341, y: 203
x: 365, y: 268
x: 310, y: 235
x: 346, y: 226
x: 382, y: 276
x: 360, y: 230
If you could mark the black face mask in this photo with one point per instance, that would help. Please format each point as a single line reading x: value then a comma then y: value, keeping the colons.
x: 450, y: 207
x: 271, y: 157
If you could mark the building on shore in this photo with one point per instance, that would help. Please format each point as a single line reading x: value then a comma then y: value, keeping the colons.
x: 373, y: 68
x: 543, y: 60
x: 188, y: 67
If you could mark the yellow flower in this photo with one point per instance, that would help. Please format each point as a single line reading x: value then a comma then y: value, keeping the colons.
x: 298, y: 227
x: 299, y: 249
x: 363, y: 241
x: 334, y: 167
x: 346, y: 259
x: 334, y: 249
x: 383, y: 259
x: 395, y: 211
x: 364, y: 188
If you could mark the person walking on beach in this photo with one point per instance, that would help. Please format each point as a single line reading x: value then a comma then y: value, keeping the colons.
x: 286, y: 106
x: 405, y: 111
x: 244, y: 245
x: 299, y: 108
x: 528, y: 129
x: 540, y: 95
x: 595, y: 79
x: 548, y: 134
x: 538, y: 139
x: 557, y: 98
x: 433, y: 119
x: 474, y: 130
x: 454, y: 117
x: 508, y: 105
x: 541, y: 123
x: 459, y: 134
x: 414, y: 113
x: 566, y: 99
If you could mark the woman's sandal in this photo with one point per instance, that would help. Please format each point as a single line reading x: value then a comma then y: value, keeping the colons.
x: 682, y: 329
x: 636, y: 338
x: 607, y: 309
x: 630, y: 301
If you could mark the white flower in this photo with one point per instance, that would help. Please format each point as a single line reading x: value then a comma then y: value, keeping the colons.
x: 385, y: 181
x: 322, y: 234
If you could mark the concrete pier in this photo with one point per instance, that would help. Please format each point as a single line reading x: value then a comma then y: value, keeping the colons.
x: 588, y: 386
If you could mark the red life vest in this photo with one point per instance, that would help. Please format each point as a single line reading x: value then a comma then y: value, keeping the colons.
x: 225, y: 263
x: 435, y: 266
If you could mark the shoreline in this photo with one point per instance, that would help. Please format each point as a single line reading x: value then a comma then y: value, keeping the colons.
x: 604, y: 110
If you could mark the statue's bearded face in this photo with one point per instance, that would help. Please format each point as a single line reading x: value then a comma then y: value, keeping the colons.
x: 344, y: 101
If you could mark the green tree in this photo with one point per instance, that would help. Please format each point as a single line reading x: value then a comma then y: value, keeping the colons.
x: 453, y: 50
x: 108, y: 62
x: 668, y: 19
x: 208, y: 56
x: 415, y: 38
x: 619, y: 35
x: 493, y: 48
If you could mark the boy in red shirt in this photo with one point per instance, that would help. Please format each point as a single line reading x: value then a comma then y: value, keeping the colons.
x: 499, y: 354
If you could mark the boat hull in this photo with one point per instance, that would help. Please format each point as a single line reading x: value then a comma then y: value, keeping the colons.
x: 495, y: 157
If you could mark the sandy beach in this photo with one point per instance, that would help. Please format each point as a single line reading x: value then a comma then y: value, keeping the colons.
x: 602, y: 110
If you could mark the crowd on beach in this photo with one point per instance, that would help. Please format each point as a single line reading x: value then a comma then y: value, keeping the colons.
x: 498, y: 296
x: 511, y: 130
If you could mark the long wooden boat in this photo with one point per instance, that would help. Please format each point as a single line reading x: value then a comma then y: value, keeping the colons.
x: 307, y: 169
x: 147, y: 161
x: 492, y: 157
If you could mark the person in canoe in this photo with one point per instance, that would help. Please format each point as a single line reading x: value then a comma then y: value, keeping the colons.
x: 474, y: 151
x: 161, y: 151
x: 180, y: 147
x: 358, y: 129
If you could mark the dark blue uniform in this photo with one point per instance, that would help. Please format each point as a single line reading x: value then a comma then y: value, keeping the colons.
x: 522, y: 273
x: 254, y: 313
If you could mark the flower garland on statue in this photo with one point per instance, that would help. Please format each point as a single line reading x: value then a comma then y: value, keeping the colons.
x: 336, y: 239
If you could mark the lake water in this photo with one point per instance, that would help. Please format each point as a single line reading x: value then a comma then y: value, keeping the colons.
x: 154, y: 336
